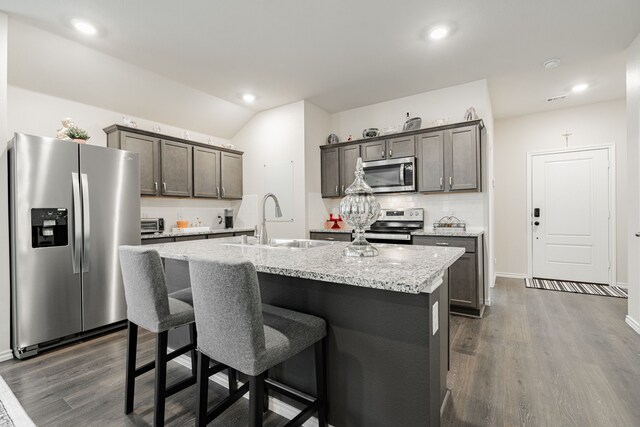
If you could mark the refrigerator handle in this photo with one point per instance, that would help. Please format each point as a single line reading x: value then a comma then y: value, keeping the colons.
x: 77, y: 223
x: 86, y: 216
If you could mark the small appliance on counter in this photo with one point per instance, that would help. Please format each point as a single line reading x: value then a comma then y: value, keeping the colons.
x: 228, y: 218
x: 151, y: 225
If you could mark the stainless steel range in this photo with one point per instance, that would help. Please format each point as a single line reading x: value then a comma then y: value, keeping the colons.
x: 395, y: 226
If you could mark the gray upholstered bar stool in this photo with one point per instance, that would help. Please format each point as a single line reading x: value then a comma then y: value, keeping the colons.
x: 236, y: 329
x: 149, y: 306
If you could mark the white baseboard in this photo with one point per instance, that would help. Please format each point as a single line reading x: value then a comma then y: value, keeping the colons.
x: 622, y: 285
x: 275, y: 405
x: 633, y: 323
x: 6, y: 355
x: 511, y: 275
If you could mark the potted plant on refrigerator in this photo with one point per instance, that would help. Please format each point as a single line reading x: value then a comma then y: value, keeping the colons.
x: 78, y: 135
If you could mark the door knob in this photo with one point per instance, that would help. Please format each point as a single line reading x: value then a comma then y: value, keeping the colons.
x: 637, y: 234
x: 536, y: 223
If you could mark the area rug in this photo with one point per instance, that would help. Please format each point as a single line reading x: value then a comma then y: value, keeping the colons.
x: 576, y: 287
x: 11, y: 412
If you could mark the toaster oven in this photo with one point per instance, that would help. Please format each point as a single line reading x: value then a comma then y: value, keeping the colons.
x: 151, y: 225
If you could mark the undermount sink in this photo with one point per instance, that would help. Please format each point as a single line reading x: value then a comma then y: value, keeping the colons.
x: 282, y: 243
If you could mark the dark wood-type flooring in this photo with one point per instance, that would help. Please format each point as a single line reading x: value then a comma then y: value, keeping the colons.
x: 538, y: 358
x: 545, y: 358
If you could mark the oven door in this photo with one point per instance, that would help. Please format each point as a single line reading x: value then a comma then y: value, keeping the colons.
x: 392, y: 175
x: 395, y: 238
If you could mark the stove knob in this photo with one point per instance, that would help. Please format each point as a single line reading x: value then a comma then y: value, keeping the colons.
x: 410, y: 213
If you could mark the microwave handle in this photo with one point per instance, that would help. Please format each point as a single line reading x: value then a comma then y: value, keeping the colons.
x: 402, y: 174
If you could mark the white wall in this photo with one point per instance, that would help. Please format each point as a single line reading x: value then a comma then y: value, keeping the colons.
x: 46, y: 63
x: 449, y: 103
x: 633, y: 162
x: 271, y: 137
x: 5, y: 321
x: 595, y: 124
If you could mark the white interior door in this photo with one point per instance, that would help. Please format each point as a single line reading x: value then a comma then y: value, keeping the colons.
x: 571, y: 214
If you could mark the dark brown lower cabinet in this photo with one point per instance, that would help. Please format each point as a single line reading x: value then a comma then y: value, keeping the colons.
x: 331, y: 236
x: 466, y: 275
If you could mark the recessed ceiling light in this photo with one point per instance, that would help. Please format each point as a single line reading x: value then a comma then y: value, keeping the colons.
x: 248, y: 97
x: 84, y: 27
x: 439, y: 32
x: 552, y: 63
x: 581, y: 87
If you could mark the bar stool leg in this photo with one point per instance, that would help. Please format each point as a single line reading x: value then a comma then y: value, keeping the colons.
x: 265, y: 405
x: 130, y: 373
x: 193, y: 335
x: 321, y: 381
x: 202, y: 390
x: 161, y: 378
x: 233, y: 380
x: 256, y: 400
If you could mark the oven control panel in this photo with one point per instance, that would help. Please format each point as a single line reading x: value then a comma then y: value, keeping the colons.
x: 413, y: 214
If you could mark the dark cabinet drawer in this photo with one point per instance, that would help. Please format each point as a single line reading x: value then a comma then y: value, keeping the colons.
x: 338, y: 237
x: 219, y: 235
x: 188, y: 238
x: 156, y: 241
x: 468, y: 243
x: 244, y: 233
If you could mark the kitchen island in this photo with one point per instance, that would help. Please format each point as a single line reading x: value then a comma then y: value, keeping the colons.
x: 387, y: 320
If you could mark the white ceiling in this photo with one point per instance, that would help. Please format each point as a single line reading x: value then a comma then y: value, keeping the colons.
x: 343, y: 54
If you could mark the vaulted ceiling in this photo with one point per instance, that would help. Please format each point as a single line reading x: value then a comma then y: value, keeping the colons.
x: 344, y: 54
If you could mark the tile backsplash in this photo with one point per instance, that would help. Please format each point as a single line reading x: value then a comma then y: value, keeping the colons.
x: 468, y: 207
x: 207, y: 211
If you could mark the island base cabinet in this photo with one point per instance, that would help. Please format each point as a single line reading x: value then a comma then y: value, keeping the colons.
x: 385, y: 361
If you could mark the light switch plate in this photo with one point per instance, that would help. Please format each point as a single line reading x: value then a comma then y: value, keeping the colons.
x: 435, y: 318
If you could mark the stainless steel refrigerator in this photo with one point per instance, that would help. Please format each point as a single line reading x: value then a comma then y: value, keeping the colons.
x: 71, y: 206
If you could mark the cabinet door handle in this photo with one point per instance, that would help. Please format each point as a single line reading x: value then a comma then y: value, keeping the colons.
x: 441, y: 182
x: 337, y: 190
x: 442, y: 244
x: 382, y: 154
x: 218, y: 192
x: 223, y: 192
x: 164, y: 187
x: 330, y: 238
x: 155, y: 185
x: 450, y: 182
x: 390, y: 152
x: 343, y: 188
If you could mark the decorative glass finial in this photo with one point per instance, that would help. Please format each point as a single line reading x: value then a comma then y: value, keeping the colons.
x: 359, y: 209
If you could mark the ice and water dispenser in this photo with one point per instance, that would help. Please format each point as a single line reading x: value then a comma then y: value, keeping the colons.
x: 49, y: 227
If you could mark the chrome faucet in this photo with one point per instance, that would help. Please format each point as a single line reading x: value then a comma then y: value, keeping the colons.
x: 263, y: 238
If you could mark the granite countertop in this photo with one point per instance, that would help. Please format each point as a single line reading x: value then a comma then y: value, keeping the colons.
x: 470, y: 232
x: 330, y: 230
x: 399, y: 268
x: 194, y: 233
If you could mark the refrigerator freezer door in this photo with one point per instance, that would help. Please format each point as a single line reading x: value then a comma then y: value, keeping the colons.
x: 46, y: 293
x: 111, y: 210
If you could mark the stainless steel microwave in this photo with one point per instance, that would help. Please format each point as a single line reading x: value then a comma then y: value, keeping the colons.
x: 391, y: 175
x: 151, y: 225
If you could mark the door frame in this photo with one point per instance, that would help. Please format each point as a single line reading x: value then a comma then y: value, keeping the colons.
x: 611, y: 149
